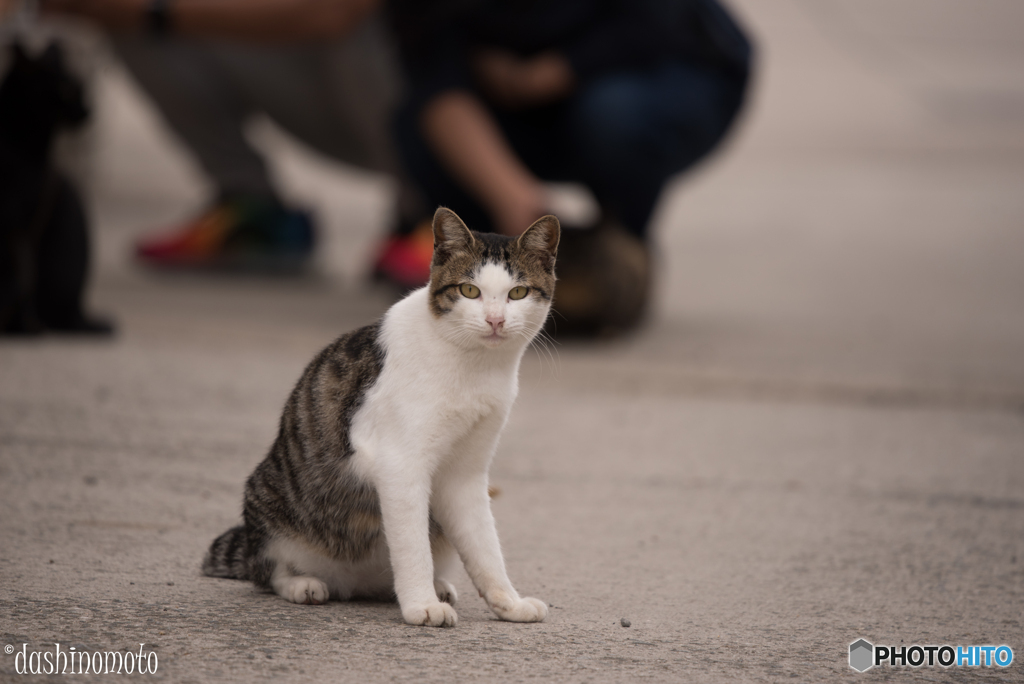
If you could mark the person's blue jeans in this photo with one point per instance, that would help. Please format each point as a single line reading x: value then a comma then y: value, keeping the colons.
x: 623, y: 135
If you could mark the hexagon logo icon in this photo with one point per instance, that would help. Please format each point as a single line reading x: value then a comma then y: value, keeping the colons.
x: 861, y: 655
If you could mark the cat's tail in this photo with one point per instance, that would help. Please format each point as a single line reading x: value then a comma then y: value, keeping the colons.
x: 227, y: 555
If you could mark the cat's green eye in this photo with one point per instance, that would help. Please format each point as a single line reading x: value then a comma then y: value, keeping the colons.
x: 469, y: 290
x: 518, y: 292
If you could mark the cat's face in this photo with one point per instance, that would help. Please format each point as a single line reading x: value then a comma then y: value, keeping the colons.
x: 491, y: 290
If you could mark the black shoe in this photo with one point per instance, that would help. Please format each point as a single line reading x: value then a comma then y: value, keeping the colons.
x: 604, y: 278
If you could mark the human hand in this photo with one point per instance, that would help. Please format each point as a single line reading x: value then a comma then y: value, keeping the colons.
x: 515, y: 83
x: 110, y: 14
x: 519, y: 209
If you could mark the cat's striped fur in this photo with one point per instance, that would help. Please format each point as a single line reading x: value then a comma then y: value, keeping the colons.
x: 397, y: 422
x: 304, y: 486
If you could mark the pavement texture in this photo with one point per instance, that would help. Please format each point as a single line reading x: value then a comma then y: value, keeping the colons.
x: 819, y: 436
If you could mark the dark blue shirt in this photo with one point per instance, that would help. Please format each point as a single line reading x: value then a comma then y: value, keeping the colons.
x: 438, y: 37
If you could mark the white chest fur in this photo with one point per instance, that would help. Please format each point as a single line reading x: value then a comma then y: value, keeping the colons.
x: 424, y: 438
x: 431, y: 394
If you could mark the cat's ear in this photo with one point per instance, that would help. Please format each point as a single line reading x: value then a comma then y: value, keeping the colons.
x: 542, y: 238
x: 450, y: 234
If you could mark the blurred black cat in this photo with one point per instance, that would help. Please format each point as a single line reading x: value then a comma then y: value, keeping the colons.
x: 44, y: 242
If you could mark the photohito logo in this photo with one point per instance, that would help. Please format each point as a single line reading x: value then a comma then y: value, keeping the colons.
x: 861, y: 655
x: 864, y: 655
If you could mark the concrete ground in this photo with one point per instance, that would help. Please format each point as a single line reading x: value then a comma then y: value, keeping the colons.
x: 818, y: 438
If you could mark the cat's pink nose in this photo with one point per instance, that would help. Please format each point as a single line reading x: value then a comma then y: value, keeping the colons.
x: 496, y: 322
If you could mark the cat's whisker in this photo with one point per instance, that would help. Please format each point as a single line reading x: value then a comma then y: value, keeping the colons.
x: 545, y: 348
x: 549, y: 346
x: 555, y: 312
x: 553, y: 316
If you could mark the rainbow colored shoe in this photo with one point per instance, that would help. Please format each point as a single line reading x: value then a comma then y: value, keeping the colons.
x: 236, y: 233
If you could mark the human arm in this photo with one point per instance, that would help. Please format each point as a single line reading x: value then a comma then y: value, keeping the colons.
x: 469, y: 143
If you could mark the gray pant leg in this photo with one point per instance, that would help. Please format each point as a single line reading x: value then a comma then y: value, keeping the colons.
x: 336, y: 97
x: 201, y: 102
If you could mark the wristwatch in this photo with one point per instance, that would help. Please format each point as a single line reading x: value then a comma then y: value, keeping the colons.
x: 158, y: 17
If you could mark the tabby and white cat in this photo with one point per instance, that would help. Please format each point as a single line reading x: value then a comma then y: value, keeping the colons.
x: 377, y: 481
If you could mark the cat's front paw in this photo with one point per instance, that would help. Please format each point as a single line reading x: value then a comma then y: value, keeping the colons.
x: 307, y: 590
x: 445, y: 592
x: 516, y: 610
x: 430, y: 614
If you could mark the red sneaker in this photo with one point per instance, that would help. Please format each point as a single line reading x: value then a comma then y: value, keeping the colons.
x: 405, y: 259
